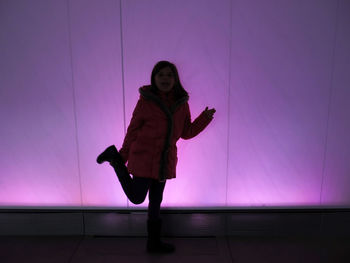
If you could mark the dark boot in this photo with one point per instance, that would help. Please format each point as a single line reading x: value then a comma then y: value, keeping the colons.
x: 154, y: 244
x: 110, y: 154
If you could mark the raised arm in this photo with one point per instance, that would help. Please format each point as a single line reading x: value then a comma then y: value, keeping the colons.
x: 192, y: 129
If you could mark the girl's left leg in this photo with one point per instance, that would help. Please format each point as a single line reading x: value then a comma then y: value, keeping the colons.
x: 135, y: 188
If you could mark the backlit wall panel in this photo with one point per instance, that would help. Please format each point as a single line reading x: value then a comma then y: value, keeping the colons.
x: 281, y: 78
x: 276, y: 72
x: 38, y: 147
x: 97, y: 71
x: 337, y: 169
x: 196, y: 39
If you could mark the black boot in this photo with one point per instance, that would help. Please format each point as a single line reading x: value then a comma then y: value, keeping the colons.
x: 154, y: 244
x: 110, y: 154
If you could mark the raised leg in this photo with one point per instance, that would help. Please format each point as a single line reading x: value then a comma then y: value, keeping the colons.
x: 135, y: 188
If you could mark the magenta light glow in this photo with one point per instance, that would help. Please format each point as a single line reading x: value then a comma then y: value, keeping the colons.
x: 277, y: 74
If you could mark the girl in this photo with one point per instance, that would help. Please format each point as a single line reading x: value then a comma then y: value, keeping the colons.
x: 160, y: 118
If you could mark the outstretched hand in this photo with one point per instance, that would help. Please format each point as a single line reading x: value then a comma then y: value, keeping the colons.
x: 210, y: 113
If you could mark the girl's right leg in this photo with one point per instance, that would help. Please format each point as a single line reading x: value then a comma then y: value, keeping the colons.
x: 155, y: 196
x: 135, y: 188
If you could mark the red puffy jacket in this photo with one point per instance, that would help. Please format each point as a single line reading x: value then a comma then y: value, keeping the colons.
x: 157, y: 123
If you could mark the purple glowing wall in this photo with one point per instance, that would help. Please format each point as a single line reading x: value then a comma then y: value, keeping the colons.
x: 277, y: 73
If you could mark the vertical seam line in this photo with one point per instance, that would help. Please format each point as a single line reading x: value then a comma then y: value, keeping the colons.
x: 122, y: 68
x: 122, y: 59
x: 329, y: 102
x: 74, y: 101
x: 229, y: 104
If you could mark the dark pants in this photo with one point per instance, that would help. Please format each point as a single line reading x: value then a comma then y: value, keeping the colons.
x: 136, y: 189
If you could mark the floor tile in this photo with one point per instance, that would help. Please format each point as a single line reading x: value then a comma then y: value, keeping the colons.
x: 37, y: 249
x: 133, y: 250
x: 287, y: 249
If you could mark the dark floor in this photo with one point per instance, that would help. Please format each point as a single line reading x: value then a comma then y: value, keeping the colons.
x: 201, y: 249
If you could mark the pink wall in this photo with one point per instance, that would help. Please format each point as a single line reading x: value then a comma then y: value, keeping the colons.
x: 276, y: 72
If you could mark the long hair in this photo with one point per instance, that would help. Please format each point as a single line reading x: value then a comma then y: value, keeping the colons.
x: 179, y: 91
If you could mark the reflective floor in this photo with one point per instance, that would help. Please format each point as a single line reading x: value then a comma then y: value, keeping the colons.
x: 202, y: 249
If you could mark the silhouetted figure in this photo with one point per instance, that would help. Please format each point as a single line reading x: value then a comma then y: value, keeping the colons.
x: 161, y: 117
